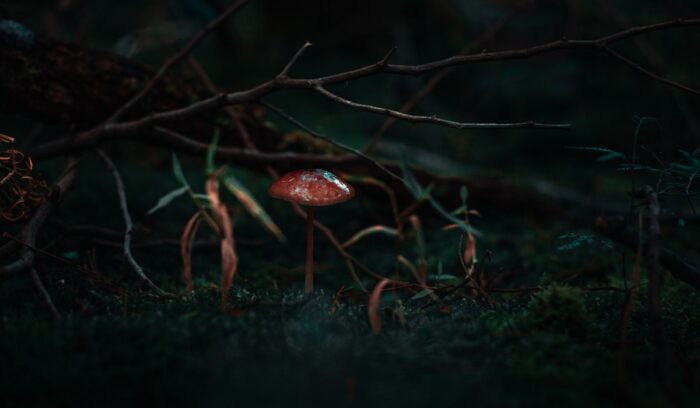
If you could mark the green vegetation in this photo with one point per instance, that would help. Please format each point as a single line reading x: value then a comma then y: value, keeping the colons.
x: 515, y: 285
x: 556, y: 346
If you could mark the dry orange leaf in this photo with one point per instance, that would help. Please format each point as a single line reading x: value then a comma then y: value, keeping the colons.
x: 6, y: 138
x: 186, y: 240
x: 229, y: 259
x: 373, y: 306
x: 470, y: 250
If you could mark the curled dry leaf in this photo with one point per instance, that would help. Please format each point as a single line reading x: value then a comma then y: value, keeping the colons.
x: 20, y: 191
x: 373, y: 307
x: 186, y: 240
x: 374, y: 229
x: 422, y: 264
x: 412, y: 268
x: 229, y: 259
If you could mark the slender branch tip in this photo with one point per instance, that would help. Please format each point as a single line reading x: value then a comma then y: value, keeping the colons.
x: 384, y: 61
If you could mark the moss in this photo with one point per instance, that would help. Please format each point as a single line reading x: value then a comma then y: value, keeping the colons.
x: 554, y: 348
x: 560, y: 309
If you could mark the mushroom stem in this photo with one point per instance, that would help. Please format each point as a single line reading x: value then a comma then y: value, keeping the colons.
x: 309, y: 282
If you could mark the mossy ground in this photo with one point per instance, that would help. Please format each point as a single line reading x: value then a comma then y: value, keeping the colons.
x: 558, y: 347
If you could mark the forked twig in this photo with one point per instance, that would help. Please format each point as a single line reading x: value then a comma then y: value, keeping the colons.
x: 173, y: 60
x: 128, y: 226
x: 44, y: 294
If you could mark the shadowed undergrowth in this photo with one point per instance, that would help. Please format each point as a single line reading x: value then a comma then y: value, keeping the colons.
x: 557, y: 346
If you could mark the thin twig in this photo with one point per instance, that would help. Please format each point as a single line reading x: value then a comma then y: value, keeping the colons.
x: 520, y: 53
x: 29, y: 232
x: 44, y: 294
x: 42, y: 252
x: 430, y: 85
x: 171, y: 138
x: 650, y: 74
x: 290, y: 64
x: 653, y: 257
x: 230, y: 110
x: 111, y: 130
x: 332, y: 141
x: 434, y: 119
x: 128, y: 226
x: 179, y: 56
x: 615, y: 229
x: 91, y: 138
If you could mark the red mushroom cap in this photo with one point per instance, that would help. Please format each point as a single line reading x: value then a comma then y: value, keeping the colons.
x: 311, y: 187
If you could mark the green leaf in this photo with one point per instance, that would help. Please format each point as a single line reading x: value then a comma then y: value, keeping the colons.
x: 72, y: 255
x: 211, y: 151
x: 425, y: 194
x: 409, y: 179
x: 423, y: 293
x: 167, y: 199
x: 419, y: 193
x: 177, y: 171
x: 201, y: 197
x: 461, y: 210
x: 250, y: 204
x: 609, y: 153
x: 610, y: 156
x: 463, y: 194
x: 445, y: 277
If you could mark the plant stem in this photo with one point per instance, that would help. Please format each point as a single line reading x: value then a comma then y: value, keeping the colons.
x: 309, y: 283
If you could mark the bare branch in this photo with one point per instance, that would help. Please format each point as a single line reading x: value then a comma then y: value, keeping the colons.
x: 384, y: 61
x: 520, y: 53
x: 653, y: 261
x: 44, y: 294
x: 94, y: 136
x: 650, y: 74
x: 30, y: 231
x: 179, y: 56
x: 180, y: 142
x: 230, y: 110
x: 129, y: 226
x: 434, y: 119
x: 616, y: 229
x: 430, y: 85
x: 321, y: 136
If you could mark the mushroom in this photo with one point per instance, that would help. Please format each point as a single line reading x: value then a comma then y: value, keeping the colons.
x: 311, y: 188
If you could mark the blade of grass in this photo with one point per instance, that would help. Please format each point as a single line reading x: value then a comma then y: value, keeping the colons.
x: 211, y: 151
x: 167, y: 199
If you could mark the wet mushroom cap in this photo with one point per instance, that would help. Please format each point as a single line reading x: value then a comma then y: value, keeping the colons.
x: 314, y: 187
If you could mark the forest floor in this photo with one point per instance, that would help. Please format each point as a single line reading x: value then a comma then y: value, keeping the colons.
x: 115, y: 344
